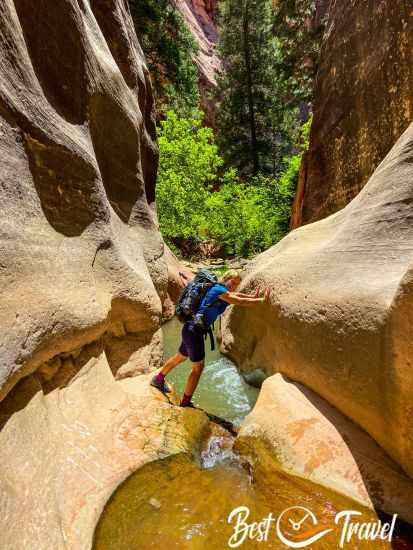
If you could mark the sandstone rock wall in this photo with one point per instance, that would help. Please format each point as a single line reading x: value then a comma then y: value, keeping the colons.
x: 340, y: 318
x: 364, y: 102
x: 83, y: 271
x: 82, y: 260
x: 200, y: 18
x: 293, y: 429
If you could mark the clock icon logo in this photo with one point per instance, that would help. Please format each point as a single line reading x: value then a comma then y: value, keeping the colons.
x: 297, y: 527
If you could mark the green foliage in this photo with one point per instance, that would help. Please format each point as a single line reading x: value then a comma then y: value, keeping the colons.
x: 305, y: 131
x: 188, y: 165
x: 195, y: 199
x: 169, y: 47
x: 245, y: 218
x: 299, y: 25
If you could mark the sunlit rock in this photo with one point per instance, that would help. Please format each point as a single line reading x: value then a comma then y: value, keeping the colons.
x: 341, y: 310
x: 64, y: 454
x: 82, y: 259
x: 295, y: 430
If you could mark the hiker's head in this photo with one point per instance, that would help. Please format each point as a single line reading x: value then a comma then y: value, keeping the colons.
x: 231, y: 279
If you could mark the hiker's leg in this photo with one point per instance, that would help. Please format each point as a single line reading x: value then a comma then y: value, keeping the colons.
x: 178, y: 358
x: 173, y: 362
x: 195, y: 347
x: 193, y: 378
x: 158, y: 381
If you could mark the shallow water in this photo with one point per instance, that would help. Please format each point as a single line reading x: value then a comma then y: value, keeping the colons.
x: 221, y: 390
x: 175, y: 504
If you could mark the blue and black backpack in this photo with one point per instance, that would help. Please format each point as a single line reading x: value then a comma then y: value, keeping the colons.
x: 191, y: 296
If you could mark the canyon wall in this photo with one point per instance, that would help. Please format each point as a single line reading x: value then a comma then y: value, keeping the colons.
x: 81, y: 256
x: 363, y: 102
x: 83, y: 270
x: 199, y: 16
x: 339, y: 322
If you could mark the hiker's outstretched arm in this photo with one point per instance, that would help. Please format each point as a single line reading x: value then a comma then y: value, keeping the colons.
x: 243, y: 295
x: 246, y: 301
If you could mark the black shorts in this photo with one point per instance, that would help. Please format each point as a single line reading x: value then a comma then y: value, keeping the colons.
x: 193, y: 344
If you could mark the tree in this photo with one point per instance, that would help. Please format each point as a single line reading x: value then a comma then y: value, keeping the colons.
x: 196, y: 201
x: 169, y: 49
x: 247, y: 48
x: 271, y: 51
x: 299, y: 26
x: 188, y: 164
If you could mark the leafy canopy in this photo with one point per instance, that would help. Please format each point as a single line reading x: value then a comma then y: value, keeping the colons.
x: 189, y: 163
x: 197, y: 199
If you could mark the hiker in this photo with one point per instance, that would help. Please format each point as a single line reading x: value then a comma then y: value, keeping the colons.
x: 211, y: 304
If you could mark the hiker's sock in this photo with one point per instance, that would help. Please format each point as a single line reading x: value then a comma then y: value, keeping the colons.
x: 186, y: 400
x: 160, y: 378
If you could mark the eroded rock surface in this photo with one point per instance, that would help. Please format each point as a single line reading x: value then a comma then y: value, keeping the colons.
x: 364, y: 102
x: 82, y: 260
x: 65, y: 453
x: 340, y: 316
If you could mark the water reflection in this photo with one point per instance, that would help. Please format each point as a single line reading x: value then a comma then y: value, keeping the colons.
x: 183, y: 503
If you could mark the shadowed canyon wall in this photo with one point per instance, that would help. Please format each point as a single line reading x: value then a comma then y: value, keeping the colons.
x: 200, y: 19
x: 82, y: 260
x: 363, y: 102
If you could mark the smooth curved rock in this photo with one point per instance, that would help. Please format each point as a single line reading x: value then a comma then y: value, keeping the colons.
x: 65, y: 453
x: 83, y: 271
x: 82, y: 259
x: 306, y: 436
x: 340, y: 316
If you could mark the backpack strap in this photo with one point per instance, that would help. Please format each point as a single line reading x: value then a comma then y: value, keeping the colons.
x: 210, y: 329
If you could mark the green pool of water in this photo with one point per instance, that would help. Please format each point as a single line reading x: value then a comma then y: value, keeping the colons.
x: 221, y: 390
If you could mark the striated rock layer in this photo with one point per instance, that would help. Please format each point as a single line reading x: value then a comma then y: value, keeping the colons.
x: 83, y: 271
x: 82, y: 259
x: 364, y: 102
x: 340, y: 316
x: 200, y: 19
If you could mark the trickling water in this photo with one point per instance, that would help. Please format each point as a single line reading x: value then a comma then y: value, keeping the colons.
x: 221, y: 390
x: 218, y: 451
x: 176, y: 504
